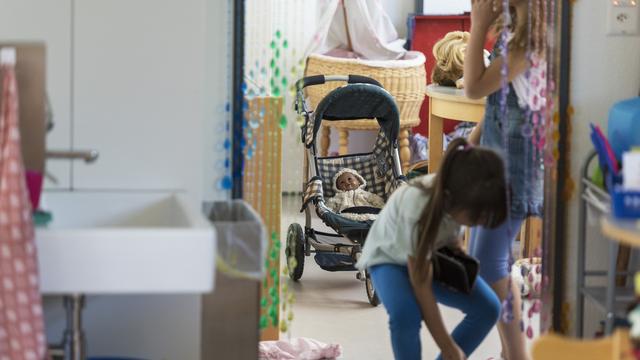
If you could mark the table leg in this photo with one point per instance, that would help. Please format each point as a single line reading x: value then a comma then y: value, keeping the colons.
x: 343, y: 142
x: 435, y: 140
x: 405, y: 150
x: 611, y: 288
x: 325, y: 140
x: 530, y: 237
x: 622, y: 264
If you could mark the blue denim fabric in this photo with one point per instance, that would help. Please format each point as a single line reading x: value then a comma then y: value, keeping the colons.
x: 481, y: 308
x: 525, y: 171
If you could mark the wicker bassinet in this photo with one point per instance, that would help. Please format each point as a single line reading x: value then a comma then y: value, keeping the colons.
x: 405, y: 79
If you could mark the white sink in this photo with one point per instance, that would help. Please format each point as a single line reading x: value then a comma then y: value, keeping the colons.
x: 124, y: 243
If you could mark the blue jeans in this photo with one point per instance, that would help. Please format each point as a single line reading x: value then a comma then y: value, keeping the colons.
x: 481, y: 309
x: 492, y: 246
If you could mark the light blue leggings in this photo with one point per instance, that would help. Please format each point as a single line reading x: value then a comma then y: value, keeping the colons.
x: 481, y: 307
x: 492, y: 246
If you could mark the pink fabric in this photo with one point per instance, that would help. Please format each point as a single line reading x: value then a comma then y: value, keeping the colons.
x: 21, y: 324
x: 34, y: 184
x: 298, y: 349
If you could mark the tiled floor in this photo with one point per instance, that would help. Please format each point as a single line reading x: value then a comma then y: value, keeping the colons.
x: 333, y: 308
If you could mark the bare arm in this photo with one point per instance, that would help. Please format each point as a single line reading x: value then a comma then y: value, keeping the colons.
x: 480, y: 81
x: 431, y: 314
x: 474, y: 137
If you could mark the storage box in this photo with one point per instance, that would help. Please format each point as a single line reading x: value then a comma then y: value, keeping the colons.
x: 624, y: 204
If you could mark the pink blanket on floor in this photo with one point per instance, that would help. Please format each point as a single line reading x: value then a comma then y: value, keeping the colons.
x: 298, y: 349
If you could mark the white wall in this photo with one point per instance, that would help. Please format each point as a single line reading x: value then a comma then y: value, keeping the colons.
x: 398, y: 11
x: 603, y: 71
x: 218, y: 81
x: 50, y: 24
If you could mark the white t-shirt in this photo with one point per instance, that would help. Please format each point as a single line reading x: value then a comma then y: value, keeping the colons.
x: 531, y: 90
x: 393, y: 235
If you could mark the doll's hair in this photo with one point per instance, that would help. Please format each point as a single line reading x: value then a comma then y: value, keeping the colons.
x: 449, y: 56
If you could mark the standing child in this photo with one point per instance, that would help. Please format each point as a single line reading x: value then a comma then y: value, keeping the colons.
x: 511, y: 136
x: 420, y: 218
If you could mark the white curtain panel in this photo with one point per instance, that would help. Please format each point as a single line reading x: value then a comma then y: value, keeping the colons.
x: 367, y: 30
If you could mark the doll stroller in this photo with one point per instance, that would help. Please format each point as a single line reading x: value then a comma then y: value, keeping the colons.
x: 360, y: 98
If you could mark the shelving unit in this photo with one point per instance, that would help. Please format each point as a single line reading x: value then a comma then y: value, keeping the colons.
x: 611, y: 299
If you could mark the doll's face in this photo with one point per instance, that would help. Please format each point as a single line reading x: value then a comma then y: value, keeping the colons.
x: 347, y: 182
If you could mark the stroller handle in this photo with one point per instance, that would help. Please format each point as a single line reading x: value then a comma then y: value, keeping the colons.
x: 321, y: 79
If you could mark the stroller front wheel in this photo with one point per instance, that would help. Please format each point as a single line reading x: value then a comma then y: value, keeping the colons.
x: 371, y: 292
x: 295, y: 251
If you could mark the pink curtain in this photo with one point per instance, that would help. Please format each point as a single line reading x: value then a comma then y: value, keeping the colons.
x: 21, y: 324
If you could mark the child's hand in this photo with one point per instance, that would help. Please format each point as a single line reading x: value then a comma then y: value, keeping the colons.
x: 484, y: 13
x: 453, y: 353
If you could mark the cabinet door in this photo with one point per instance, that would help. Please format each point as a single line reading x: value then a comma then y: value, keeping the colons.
x: 49, y: 22
x: 139, y: 93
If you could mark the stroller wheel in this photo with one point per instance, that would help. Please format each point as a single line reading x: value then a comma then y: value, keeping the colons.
x: 295, y: 250
x: 371, y: 292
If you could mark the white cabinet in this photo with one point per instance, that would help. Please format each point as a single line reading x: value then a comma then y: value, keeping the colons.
x: 139, y: 83
x: 49, y: 22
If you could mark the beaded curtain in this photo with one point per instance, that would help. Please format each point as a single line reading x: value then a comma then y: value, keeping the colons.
x: 276, y: 34
x: 541, y: 127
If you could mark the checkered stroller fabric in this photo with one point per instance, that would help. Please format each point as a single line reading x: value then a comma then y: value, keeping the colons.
x: 375, y: 167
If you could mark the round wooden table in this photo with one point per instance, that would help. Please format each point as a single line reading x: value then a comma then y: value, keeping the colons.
x: 344, y: 127
x: 619, y: 232
x: 623, y: 231
x: 448, y: 103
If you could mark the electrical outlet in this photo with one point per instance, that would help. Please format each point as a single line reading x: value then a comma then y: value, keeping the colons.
x: 623, y: 17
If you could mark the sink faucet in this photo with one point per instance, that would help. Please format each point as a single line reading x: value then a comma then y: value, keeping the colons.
x: 88, y: 156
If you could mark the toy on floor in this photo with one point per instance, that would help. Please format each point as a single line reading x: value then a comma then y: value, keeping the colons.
x: 350, y: 194
x: 448, y: 53
x: 527, y: 273
x: 299, y: 349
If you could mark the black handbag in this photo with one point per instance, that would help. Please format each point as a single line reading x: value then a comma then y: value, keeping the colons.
x: 455, y: 269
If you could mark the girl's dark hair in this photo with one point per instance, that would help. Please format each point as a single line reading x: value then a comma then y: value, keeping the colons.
x: 470, y: 179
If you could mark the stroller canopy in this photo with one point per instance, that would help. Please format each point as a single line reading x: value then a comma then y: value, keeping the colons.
x: 357, y: 101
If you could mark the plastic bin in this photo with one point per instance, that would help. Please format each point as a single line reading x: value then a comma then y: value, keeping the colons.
x: 242, y: 238
x: 625, y: 204
x: 231, y: 314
